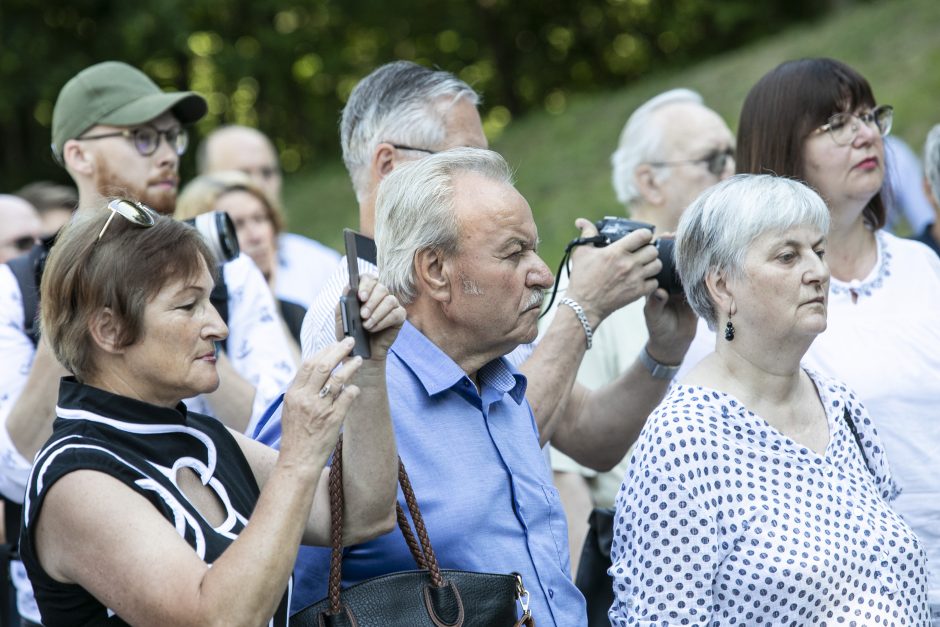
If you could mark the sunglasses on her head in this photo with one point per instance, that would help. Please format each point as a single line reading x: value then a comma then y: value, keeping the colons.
x: 134, y: 212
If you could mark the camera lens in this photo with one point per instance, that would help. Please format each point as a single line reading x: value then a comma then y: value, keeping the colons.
x: 218, y: 231
x: 668, y: 277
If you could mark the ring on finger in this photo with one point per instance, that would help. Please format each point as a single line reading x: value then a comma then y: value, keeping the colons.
x: 324, y: 391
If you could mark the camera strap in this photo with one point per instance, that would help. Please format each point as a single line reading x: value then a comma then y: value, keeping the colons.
x: 597, y: 240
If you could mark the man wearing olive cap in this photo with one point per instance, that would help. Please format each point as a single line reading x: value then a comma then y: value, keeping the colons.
x: 118, y: 134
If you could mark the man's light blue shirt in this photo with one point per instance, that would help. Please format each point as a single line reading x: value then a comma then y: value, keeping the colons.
x: 480, y: 477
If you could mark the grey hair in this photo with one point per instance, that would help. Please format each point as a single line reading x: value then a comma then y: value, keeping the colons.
x: 402, y: 103
x: 932, y: 161
x: 717, y: 229
x: 414, y: 211
x: 641, y: 141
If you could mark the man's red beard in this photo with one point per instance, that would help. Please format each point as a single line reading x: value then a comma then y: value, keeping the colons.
x: 110, y: 185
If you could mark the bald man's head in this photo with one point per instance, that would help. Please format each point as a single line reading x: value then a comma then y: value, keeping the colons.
x: 245, y: 149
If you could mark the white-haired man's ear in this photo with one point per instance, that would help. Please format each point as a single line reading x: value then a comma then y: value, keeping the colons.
x: 648, y: 185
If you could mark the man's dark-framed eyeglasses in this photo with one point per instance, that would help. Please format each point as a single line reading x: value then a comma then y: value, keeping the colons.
x: 135, y: 212
x: 843, y: 127
x: 716, y: 161
x: 146, y: 139
x: 403, y: 147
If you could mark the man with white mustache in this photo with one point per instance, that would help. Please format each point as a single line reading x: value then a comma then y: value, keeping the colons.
x: 457, y: 246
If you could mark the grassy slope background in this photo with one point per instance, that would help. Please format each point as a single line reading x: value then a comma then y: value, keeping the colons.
x: 562, y: 161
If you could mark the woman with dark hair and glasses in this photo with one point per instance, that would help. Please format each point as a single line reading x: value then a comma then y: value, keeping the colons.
x: 817, y: 120
x: 140, y: 512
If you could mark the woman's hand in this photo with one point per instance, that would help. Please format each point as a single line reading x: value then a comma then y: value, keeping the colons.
x: 316, y: 404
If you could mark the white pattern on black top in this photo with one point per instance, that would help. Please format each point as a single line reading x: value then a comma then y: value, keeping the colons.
x: 723, y: 520
x: 144, y: 447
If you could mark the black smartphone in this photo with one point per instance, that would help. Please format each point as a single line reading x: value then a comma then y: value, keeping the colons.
x: 349, y: 302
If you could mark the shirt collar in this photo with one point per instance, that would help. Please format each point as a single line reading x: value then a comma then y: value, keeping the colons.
x: 76, y: 395
x: 437, y: 372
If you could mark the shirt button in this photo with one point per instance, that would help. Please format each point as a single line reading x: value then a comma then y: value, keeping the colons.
x: 551, y: 593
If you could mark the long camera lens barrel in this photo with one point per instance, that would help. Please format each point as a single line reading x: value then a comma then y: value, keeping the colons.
x: 218, y: 231
x: 614, y: 228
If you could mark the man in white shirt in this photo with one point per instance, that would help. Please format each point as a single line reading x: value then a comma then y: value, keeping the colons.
x: 671, y: 149
x: 303, y: 264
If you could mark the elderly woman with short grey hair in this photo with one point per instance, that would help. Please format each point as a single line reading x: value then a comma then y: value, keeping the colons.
x: 759, y: 490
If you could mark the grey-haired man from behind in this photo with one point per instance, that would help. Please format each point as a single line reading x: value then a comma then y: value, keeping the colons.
x: 671, y: 148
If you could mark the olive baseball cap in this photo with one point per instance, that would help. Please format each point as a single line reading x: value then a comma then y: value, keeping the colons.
x: 116, y: 93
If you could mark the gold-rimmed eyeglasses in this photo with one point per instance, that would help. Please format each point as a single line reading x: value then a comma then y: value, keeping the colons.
x: 135, y: 212
x: 843, y: 127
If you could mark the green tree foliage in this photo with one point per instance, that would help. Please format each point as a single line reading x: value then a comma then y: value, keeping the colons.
x: 288, y: 66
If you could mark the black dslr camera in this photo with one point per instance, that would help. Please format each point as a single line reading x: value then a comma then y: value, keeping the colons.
x: 613, y: 228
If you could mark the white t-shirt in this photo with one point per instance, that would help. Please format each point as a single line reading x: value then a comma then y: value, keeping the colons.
x: 886, y: 346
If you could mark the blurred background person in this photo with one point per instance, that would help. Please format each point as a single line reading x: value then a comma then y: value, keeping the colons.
x: 908, y: 207
x: 141, y: 509
x: 258, y: 223
x: 930, y: 235
x: 672, y: 148
x: 817, y: 120
x: 55, y: 203
x: 20, y: 227
x: 759, y: 488
x: 303, y: 264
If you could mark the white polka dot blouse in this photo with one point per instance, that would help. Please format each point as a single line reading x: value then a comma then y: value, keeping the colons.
x: 723, y: 520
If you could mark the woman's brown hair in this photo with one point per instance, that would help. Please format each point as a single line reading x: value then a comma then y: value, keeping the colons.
x: 123, y: 270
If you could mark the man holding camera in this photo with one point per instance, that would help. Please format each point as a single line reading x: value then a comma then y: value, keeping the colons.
x: 402, y: 112
x: 671, y: 149
x: 118, y: 134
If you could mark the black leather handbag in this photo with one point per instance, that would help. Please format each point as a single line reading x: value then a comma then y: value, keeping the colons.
x: 429, y: 596
x: 592, y: 580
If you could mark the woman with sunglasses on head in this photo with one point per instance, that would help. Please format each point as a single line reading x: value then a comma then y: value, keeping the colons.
x: 140, y: 512
x: 258, y: 222
x: 817, y: 120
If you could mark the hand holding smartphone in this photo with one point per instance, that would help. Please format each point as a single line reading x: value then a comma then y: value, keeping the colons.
x: 349, y: 302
